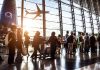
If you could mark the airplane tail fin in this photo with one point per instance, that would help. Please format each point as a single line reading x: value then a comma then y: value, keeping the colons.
x: 38, y: 9
x: 8, y: 13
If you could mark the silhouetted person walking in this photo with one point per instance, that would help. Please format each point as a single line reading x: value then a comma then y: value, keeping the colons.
x: 19, y: 45
x: 53, y: 44
x: 92, y: 43
x: 37, y: 40
x: 27, y: 41
x: 70, y: 41
x: 12, y: 44
x: 66, y: 42
x: 86, y: 42
x: 81, y: 41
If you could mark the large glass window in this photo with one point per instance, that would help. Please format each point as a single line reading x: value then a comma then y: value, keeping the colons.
x: 52, y: 18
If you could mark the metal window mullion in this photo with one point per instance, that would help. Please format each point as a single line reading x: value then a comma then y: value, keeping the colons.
x: 73, y: 15
x: 97, y: 16
x: 90, y: 14
x: 83, y: 16
x: 60, y: 17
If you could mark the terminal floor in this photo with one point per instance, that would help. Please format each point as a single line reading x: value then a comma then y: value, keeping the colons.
x: 79, y: 61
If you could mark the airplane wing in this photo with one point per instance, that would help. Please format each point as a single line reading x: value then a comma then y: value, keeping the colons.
x: 38, y: 12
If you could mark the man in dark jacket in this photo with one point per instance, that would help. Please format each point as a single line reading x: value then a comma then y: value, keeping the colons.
x: 92, y: 43
x: 53, y: 44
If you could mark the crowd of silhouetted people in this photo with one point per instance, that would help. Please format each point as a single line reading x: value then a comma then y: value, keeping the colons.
x: 85, y: 42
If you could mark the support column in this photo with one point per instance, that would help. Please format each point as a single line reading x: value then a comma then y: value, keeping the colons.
x: 60, y: 17
x: 83, y: 16
x: 73, y: 16
x: 44, y: 22
x: 96, y: 6
x: 90, y: 6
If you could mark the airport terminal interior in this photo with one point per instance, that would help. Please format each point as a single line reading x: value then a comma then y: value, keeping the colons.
x: 49, y: 35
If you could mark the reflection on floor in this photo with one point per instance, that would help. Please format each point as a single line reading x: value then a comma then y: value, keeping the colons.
x: 79, y: 61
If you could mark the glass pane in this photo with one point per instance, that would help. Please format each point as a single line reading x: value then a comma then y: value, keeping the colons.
x: 88, y: 25
x: 67, y: 27
x: 95, y: 30
x: 67, y: 21
x: 86, y: 14
x: 52, y: 10
x: 93, y: 16
x: 52, y: 25
x: 36, y: 1
x: 1, y: 1
x: 95, y: 26
x: 66, y: 1
x: 66, y: 8
x: 66, y: 14
x: 52, y: 18
x: 95, y: 21
x: 18, y: 3
x: 87, y: 19
x: 77, y: 11
x: 78, y: 17
x: 79, y: 29
x: 88, y: 30
x: 79, y: 23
